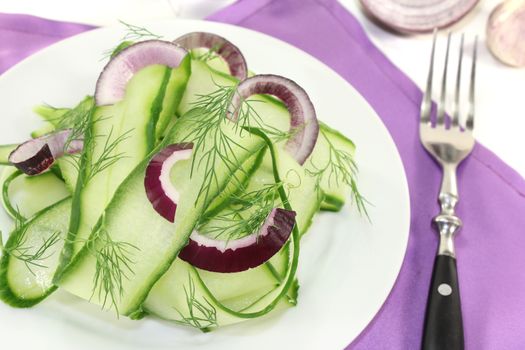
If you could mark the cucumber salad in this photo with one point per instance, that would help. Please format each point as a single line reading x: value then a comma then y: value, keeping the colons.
x: 180, y: 189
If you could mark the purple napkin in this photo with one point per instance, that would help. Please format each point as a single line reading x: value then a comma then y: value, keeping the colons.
x: 490, y: 248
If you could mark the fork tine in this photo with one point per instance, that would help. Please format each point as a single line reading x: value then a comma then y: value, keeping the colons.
x: 470, y: 116
x: 427, y: 97
x: 455, y: 106
x: 441, y: 107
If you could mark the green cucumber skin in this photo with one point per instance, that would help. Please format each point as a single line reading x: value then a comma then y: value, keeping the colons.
x: 156, y: 109
x: 336, y: 135
x: 7, y: 292
x: 332, y: 203
x: 175, y: 87
x: 24, y: 195
x: 74, y: 219
x: 6, y: 201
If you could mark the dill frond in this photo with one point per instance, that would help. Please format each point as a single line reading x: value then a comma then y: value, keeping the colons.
x: 133, y: 33
x: 107, y: 156
x: 113, y: 266
x: 32, y: 256
x: 245, y: 215
x: 201, y: 315
x: 340, y: 168
x: 213, y: 147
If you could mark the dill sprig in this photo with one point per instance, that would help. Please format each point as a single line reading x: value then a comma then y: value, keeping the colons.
x: 340, y: 168
x: 112, y: 267
x: 213, y: 147
x: 32, y: 256
x: 208, y: 55
x: 133, y: 33
x: 76, y: 118
x: 107, y: 156
x: 201, y: 315
x: 210, y: 139
x: 246, y: 214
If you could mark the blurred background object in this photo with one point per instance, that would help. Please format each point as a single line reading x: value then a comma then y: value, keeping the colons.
x: 417, y: 16
x: 506, y: 32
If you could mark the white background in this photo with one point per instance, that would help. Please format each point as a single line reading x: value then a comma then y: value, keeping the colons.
x: 500, y: 115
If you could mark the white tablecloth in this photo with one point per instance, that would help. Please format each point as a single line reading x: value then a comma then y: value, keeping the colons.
x: 500, y: 116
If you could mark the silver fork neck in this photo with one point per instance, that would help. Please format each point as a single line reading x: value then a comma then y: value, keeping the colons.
x: 448, y: 194
x: 447, y: 223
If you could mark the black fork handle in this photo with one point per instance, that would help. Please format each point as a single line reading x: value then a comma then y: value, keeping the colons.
x: 443, y: 321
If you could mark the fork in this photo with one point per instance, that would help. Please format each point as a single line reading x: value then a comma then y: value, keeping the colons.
x: 448, y: 143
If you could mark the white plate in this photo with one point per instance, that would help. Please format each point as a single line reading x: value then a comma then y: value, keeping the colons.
x: 348, y: 265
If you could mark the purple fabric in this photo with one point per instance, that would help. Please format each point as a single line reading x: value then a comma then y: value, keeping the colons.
x: 490, y: 248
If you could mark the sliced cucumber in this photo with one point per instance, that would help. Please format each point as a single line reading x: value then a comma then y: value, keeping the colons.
x: 130, y: 218
x: 5, y: 151
x: 26, y: 195
x: 232, y: 298
x: 128, y: 127
x: 31, y: 256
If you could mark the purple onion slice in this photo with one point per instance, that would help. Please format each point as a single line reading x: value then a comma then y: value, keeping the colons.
x: 37, y: 155
x: 111, y: 84
x: 224, y: 48
x: 160, y: 190
x: 418, y: 16
x: 304, y: 127
x: 244, y: 253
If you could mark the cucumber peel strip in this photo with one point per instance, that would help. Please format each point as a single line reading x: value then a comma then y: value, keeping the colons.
x: 14, y: 213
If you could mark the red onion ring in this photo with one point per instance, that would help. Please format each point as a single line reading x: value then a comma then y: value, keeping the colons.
x: 160, y: 191
x: 37, y: 155
x: 112, y: 82
x: 419, y: 16
x: 304, y: 126
x: 224, y: 48
x: 244, y: 253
